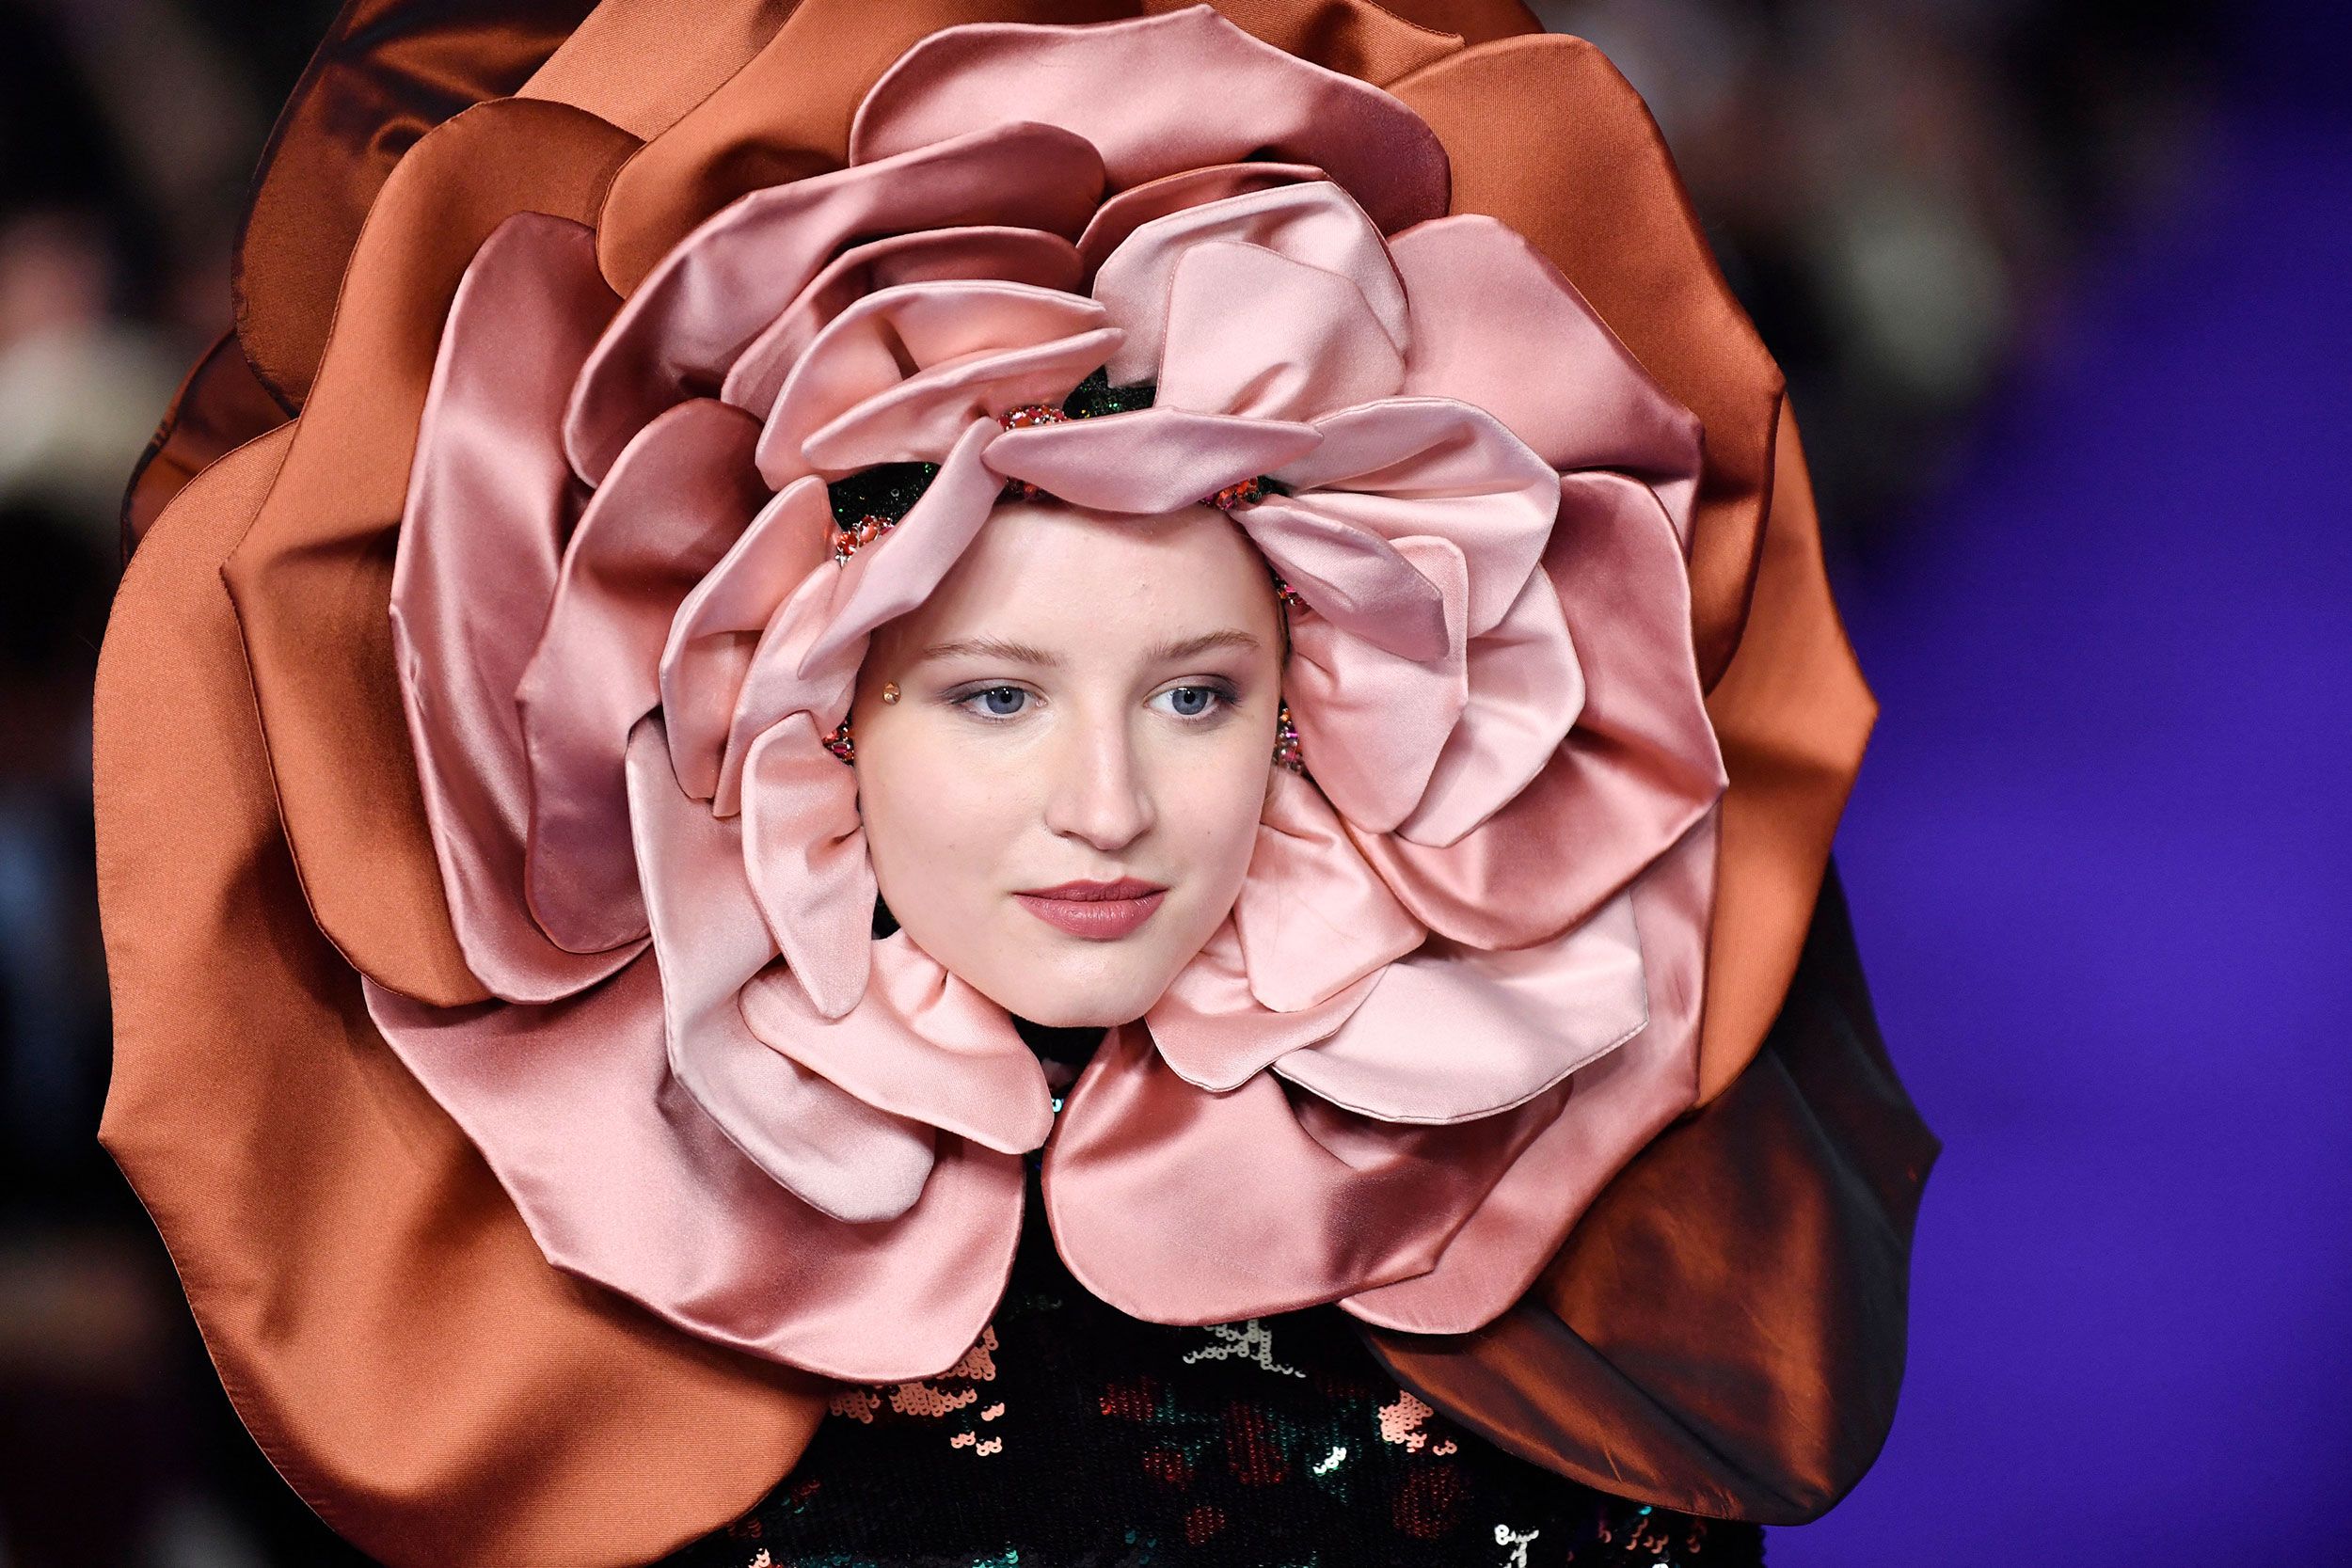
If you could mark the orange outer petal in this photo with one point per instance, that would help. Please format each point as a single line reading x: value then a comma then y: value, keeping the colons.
x: 312, y: 579
x: 386, y: 1326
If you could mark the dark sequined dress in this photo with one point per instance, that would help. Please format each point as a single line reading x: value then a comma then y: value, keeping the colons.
x: 1076, y: 1437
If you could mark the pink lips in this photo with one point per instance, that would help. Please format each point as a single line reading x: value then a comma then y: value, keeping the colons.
x: 1098, y: 911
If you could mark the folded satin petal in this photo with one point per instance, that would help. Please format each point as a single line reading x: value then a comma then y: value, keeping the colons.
x: 805, y: 846
x: 681, y: 495
x: 625, y: 1182
x: 1147, y: 462
x: 693, y: 315
x: 1312, y: 919
x: 1639, y: 768
x: 1126, y: 211
x: 843, y: 1157
x: 886, y: 340
x: 1497, y: 326
x: 1319, y: 224
x: 1614, y: 1107
x: 481, y: 538
x: 1214, y: 1032
x: 1373, y: 725
x: 994, y: 251
x: 1252, y: 332
x: 716, y: 630
x: 920, y: 418
x: 1354, y: 578
x: 1168, y: 68
x: 1333, y: 1204
x: 921, y: 1044
x: 1454, y: 1033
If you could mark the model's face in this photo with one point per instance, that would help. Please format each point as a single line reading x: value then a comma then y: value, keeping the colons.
x: 1061, y: 805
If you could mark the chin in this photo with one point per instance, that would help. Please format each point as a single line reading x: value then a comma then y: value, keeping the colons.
x: 1059, y: 998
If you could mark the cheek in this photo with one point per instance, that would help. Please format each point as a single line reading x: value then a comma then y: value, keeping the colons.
x: 930, y: 831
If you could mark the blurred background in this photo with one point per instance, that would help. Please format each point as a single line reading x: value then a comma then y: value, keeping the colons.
x: 2062, y: 295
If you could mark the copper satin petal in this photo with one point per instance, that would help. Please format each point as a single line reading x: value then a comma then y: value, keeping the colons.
x: 220, y: 406
x: 839, y: 1154
x: 312, y: 1192
x: 679, y: 497
x: 312, y: 575
x: 1777, y: 1223
x: 488, y: 500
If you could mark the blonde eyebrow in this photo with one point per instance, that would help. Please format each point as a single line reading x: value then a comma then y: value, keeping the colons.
x: 1021, y: 653
x: 1207, y: 643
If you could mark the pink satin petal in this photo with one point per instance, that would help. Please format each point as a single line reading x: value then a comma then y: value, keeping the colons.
x: 1252, y: 332
x: 681, y: 493
x: 872, y: 348
x: 717, y: 628
x: 1639, y: 768
x: 1147, y: 462
x: 624, y: 1183
x: 480, y: 541
x: 1615, y: 1108
x: 1313, y: 918
x: 1121, y: 214
x: 1318, y: 224
x: 694, y: 314
x: 1191, y: 88
x: 806, y: 660
x: 1351, y: 577
x: 838, y: 1154
x: 920, y: 418
x: 1373, y: 724
x: 1008, y: 255
x: 1408, y: 466
x: 1526, y: 688
x: 805, y: 846
x: 1454, y: 1033
x: 921, y: 1044
x: 1181, y: 1206
x: 1496, y: 325
x: 1215, y: 1034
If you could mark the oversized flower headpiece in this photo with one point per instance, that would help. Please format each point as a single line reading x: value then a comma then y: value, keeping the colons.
x: 645, y: 545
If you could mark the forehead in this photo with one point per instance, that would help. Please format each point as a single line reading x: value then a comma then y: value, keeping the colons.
x: 1068, y: 579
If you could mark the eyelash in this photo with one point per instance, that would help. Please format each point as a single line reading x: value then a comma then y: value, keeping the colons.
x: 1221, y: 693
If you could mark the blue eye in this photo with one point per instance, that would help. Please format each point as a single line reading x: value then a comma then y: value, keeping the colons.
x: 997, y: 702
x: 1193, y: 702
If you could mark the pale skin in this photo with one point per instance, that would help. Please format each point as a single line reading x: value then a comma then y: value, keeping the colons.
x: 1084, y: 710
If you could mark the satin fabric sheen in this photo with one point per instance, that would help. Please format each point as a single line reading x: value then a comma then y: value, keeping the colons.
x: 266, y: 1144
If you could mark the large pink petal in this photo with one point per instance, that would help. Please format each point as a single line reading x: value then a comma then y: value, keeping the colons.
x: 1313, y: 918
x: 1009, y: 255
x: 681, y: 493
x: 1526, y: 690
x: 921, y: 1044
x: 1158, y: 94
x: 1316, y: 224
x: 1182, y: 1207
x: 1639, y: 768
x: 1408, y: 466
x: 1496, y: 325
x: 1615, y: 1108
x: 1352, y: 577
x: 625, y: 1181
x: 1146, y: 462
x: 488, y: 496
x: 1122, y: 214
x: 1252, y: 332
x: 1373, y: 723
x: 805, y: 846
x: 694, y: 314
x: 1215, y: 1033
x: 955, y: 349
x: 717, y: 628
x: 844, y: 1157
x: 1454, y: 1033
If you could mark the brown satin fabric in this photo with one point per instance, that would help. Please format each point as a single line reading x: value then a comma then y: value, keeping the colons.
x: 1724, y: 1332
x: 389, y: 71
x: 311, y: 580
x: 220, y: 406
x: 385, y: 1324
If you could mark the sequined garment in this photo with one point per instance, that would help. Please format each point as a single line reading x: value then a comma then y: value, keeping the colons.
x: 1074, y: 1437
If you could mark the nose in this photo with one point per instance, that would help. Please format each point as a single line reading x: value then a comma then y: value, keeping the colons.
x: 1099, y: 793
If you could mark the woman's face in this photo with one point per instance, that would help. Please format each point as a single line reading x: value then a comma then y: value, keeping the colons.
x: 1061, y: 803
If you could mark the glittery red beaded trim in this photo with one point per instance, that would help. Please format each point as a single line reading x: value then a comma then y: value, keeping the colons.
x: 1288, y: 751
x: 840, y: 743
x: 846, y: 541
